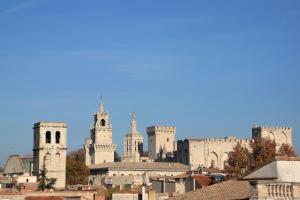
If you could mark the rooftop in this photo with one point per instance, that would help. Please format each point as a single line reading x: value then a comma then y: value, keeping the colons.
x: 281, y: 169
x: 45, y: 198
x: 14, y: 165
x: 226, y: 190
x: 161, y: 166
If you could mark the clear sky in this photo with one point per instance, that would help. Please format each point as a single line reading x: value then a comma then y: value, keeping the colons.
x: 211, y: 69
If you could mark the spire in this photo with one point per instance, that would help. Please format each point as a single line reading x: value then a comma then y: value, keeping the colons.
x: 133, y: 123
x: 101, y: 108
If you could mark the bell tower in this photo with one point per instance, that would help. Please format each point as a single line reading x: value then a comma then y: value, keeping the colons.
x: 50, y: 148
x: 99, y: 148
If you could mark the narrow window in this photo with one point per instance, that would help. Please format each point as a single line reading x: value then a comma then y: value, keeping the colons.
x: 48, y: 161
x: 48, y: 137
x: 102, y: 122
x: 57, y: 137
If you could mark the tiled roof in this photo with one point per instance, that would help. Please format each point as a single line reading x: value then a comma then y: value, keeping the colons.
x: 160, y: 166
x: 45, y: 198
x: 202, y: 180
x: 14, y: 165
x: 227, y: 190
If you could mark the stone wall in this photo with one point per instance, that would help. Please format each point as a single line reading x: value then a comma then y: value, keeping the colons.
x: 279, y: 134
x: 274, y: 190
x: 207, y: 152
x: 50, y: 145
x: 161, y: 138
x: 125, y: 196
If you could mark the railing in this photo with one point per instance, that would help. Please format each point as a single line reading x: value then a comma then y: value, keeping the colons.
x: 280, y: 190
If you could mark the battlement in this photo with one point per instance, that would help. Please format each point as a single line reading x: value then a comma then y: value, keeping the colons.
x: 50, y: 124
x: 271, y: 127
x: 228, y: 139
x: 161, y: 128
x: 223, y: 140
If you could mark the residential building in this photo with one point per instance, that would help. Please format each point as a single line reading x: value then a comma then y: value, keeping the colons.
x: 278, y: 180
x: 144, y: 169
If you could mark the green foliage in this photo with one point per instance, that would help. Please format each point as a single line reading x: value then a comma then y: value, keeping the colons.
x: 77, y: 171
x: 44, y: 182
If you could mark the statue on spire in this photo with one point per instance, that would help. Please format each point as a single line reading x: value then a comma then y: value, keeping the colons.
x: 133, y: 123
x: 101, y: 108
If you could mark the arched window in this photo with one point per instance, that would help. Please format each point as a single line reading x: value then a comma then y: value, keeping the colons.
x: 57, y: 137
x: 48, y: 161
x: 48, y: 137
x: 102, y: 122
x: 212, y: 164
x: 57, y: 159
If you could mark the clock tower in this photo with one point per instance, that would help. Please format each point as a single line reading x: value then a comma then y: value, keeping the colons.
x: 99, y: 148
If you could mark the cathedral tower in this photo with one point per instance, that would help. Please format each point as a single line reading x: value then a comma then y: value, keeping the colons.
x: 99, y: 148
x: 133, y: 143
x: 49, y: 148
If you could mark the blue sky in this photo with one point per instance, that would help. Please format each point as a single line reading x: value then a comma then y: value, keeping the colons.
x: 212, y: 69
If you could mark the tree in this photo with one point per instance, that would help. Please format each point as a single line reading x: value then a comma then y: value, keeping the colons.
x: 77, y: 171
x: 238, y: 161
x: 242, y: 161
x: 286, y: 150
x: 44, y: 182
x: 263, y: 152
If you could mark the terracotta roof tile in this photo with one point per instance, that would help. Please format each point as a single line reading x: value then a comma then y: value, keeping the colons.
x: 45, y: 198
x: 227, y: 190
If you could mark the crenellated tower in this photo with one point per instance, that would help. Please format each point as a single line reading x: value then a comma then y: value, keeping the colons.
x: 161, y: 141
x: 279, y: 134
x: 99, y: 147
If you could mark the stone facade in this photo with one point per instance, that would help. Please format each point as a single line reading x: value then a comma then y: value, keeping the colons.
x: 207, y: 152
x: 161, y: 141
x: 279, y: 179
x: 99, y: 148
x: 210, y: 152
x: 125, y: 196
x: 49, y: 147
x: 279, y: 134
x: 133, y: 143
x: 140, y: 169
